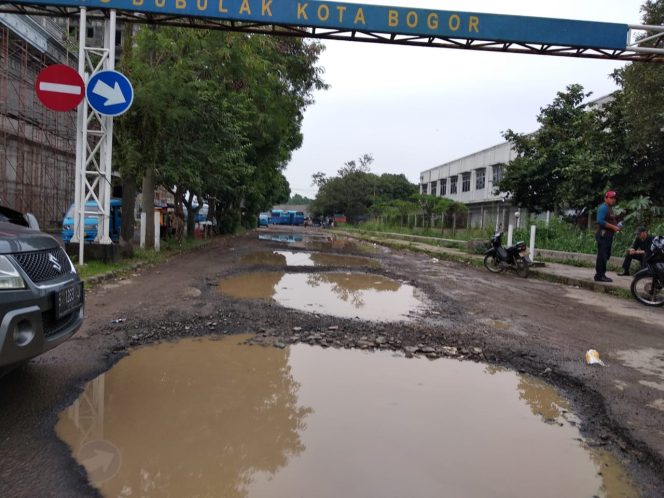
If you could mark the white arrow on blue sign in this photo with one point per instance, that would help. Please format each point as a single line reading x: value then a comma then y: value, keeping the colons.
x: 109, y: 93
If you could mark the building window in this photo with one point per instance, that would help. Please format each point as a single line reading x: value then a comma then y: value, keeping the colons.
x: 443, y: 187
x: 453, y: 182
x: 433, y: 188
x: 465, y: 185
x: 480, y: 179
x: 424, y: 188
x: 497, y: 173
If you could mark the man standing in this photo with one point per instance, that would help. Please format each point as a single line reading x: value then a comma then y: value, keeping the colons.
x: 639, y: 250
x: 606, y: 226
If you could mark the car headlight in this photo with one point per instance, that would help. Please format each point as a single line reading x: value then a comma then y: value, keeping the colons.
x: 9, y: 277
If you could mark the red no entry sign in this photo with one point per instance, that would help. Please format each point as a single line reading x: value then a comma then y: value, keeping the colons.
x: 60, y: 87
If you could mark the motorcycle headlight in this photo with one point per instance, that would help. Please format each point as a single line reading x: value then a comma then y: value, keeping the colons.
x: 9, y: 276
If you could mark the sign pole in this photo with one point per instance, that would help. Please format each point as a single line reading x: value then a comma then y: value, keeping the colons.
x: 106, y: 152
x: 81, y: 138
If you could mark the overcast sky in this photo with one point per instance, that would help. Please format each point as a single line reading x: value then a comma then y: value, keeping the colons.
x: 414, y: 108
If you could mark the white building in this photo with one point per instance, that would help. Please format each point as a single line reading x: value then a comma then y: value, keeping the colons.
x: 471, y: 180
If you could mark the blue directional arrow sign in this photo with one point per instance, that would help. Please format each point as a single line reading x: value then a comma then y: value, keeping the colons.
x: 109, y: 93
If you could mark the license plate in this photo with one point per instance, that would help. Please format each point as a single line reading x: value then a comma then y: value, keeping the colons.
x: 68, y: 299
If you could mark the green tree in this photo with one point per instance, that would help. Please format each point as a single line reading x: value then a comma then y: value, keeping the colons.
x: 391, y: 187
x: 362, y: 165
x: 233, y: 116
x: 636, y: 120
x: 355, y: 191
x: 350, y: 194
x: 428, y: 205
x: 565, y: 164
x: 404, y: 208
x: 297, y: 199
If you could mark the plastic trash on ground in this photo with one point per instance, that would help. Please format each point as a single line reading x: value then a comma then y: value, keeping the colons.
x: 592, y: 358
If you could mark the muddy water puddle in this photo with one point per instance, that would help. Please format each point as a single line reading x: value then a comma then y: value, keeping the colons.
x: 346, y: 295
x: 292, y: 258
x: 214, y: 418
x: 280, y: 237
x: 318, y: 242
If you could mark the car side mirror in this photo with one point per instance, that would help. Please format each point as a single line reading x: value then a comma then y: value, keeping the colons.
x: 32, y: 221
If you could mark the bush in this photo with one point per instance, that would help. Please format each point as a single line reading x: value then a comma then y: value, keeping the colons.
x: 557, y: 236
x: 561, y: 236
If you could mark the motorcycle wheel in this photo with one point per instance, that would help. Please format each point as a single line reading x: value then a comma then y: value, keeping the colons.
x: 492, y: 263
x: 521, y: 267
x: 647, y: 289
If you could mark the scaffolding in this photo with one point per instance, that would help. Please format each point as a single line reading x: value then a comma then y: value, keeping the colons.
x: 37, y: 145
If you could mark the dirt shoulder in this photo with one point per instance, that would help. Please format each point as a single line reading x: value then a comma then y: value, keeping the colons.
x: 528, y: 325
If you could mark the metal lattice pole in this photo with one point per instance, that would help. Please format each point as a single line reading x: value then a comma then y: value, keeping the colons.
x: 94, y: 146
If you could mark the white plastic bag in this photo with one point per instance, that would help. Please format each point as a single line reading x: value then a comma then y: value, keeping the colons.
x: 592, y: 358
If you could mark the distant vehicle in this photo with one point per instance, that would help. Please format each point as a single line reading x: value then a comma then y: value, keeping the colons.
x: 41, y: 296
x: 264, y: 219
x: 202, y: 213
x: 339, y: 218
x: 281, y: 217
x: 92, y: 222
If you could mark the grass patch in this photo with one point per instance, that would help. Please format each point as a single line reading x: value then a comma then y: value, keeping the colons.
x: 141, y: 257
x: 557, y: 236
x: 94, y: 268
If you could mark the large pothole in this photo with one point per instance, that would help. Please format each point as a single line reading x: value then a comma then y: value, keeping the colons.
x: 218, y: 418
x: 347, y: 295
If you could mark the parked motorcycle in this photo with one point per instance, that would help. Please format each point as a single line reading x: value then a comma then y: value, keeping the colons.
x: 648, y: 284
x: 499, y: 258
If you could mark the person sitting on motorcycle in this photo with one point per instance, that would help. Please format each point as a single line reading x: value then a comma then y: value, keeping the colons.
x: 639, y: 250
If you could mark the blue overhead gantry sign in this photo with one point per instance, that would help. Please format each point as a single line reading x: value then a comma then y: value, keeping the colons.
x: 377, y: 18
x: 379, y: 24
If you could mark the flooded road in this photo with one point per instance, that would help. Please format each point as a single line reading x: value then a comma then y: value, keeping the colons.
x: 336, y: 406
x: 217, y: 418
x: 347, y: 295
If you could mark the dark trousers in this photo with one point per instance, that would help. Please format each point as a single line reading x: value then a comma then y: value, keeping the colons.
x: 604, y: 240
x: 628, y: 261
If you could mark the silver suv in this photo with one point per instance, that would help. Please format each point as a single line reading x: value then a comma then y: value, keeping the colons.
x: 41, y: 296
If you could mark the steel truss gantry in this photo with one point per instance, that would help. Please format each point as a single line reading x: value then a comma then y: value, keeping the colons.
x: 644, y: 43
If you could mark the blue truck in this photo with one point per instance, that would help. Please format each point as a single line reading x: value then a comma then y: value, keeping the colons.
x: 283, y: 217
x: 264, y: 219
x: 92, y: 222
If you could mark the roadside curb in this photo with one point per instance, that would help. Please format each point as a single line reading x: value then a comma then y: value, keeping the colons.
x: 581, y: 283
x: 476, y: 260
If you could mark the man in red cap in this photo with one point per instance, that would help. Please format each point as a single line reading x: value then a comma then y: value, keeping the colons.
x: 606, y: 226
